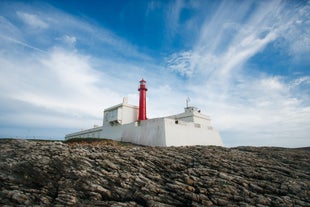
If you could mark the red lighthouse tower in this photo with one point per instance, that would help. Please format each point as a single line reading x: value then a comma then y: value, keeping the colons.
x: 142, y: 101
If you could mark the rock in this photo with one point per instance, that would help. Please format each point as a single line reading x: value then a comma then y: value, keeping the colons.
x: 109, y: 164
x: 256, y: 188
x: 188, y: 181
x: 108, y: 173
x: 66, y: 198
x: 19, y: 197
x: 97, y: 188
x: 222, y: 202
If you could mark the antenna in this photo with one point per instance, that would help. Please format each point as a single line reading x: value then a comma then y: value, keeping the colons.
x: 187, y: 101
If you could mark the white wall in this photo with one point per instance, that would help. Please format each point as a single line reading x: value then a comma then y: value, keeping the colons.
x: 155, y: 132
x: 201, y: 119
x: 148, y: 132
x: 112, y: 132
x: 183, y: 133
x: 129, y: 114
x: 192, y: 128
x: 122, y: 114
x: 111, y: 115
x: 192, y: 116
x: 89, y: 133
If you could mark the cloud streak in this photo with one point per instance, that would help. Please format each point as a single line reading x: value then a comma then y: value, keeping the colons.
x: 247, y: 105
x: 32, y: 20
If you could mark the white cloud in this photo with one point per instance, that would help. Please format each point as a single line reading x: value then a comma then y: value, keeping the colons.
x: 71, y: 40
x: 63, y: 88
x: 258, y: 108
x: 173, y: 16
x: 245, y: 107
x: 59, y: 81
x: 8, y: 29
x: 32, y: 20
x: 271, y: 83
x: 299, y: 23
x: 302, y: 80
x: 49, y: 24
x: 181, y: 63
x: 8, y: 40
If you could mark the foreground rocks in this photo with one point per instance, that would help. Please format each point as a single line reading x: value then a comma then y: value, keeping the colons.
x: 107, y: 173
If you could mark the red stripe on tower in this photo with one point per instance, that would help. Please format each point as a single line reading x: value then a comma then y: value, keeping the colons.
x: 142, y: 101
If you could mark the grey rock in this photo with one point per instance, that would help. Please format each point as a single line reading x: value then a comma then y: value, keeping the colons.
x: 108, y: 173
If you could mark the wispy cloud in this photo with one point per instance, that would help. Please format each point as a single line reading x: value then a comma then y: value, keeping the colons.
x: 244, y: 104
x: 181, y: 63
x: 229, y: 43
x: 32, y: 20
x: 173, y: 16
x: 71, y: 40
x: 53, y: 24
x: 54, y: 85
x: 51, y: 84
x: 59, y: 81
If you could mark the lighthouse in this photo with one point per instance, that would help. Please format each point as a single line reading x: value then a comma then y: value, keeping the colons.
x: 128, y: 123
x: 142, y: 100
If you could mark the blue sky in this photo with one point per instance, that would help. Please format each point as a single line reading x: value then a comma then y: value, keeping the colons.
x: 244, y: 63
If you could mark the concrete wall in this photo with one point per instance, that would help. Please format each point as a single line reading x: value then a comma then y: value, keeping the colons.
x: 112, y: 132
x: 89, y: 133
x: 149, y: 132
x: 111, y: 115
x: 183, y: 133
x: 192, y: 116
x: 122, y: 114
x: 201, y: 119
x: 188, y: 128
x: 166, y: 132
x: 155, y: 132
x: 129, y: 114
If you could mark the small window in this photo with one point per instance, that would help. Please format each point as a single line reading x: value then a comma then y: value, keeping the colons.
x: 176, y: 121
x: 197, y: 125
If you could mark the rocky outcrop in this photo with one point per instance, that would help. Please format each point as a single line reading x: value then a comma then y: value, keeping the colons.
x: 107, y: 173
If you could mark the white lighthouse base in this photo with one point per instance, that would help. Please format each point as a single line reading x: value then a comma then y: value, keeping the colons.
x: 188, y: 128
x: 168, y: 132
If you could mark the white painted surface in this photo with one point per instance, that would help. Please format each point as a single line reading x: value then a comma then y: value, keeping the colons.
x: 184, y: 133
x: 149, y: 132
x: 129, y: 114
x: 89, y: 133
x: 120, y: 114
x: 192, y: 114
x: 120, y: 124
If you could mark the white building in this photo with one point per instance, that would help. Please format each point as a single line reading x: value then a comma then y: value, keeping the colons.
x: 128, y: 123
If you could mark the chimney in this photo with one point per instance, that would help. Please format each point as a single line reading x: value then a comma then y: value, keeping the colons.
x: 142, y: 101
